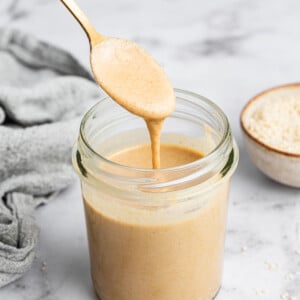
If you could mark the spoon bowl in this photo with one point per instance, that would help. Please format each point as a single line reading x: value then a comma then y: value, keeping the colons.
x: 127, y: 73
x: 119, y: 65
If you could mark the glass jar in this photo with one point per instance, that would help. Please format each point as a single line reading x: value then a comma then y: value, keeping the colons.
x: 156, y: 234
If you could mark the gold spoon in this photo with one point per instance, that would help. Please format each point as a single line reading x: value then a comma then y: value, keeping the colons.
x: 93, y: 36
x: 126, y: 72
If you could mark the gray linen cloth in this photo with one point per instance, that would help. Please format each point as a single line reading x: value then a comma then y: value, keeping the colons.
x: 43, y: 93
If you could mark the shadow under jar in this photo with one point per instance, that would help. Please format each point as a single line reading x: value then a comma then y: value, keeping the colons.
x: 156, y: 234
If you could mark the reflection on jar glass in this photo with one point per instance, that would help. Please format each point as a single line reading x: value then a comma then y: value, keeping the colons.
x: 156, y: 234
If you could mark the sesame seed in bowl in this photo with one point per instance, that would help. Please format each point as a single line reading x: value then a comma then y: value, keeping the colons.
x: 271, y: 128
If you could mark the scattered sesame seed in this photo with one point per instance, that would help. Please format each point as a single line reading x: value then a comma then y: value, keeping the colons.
x: 44, y: 265
x: 260, y: 292
x: 244, y: 249
x: 285, y: 296
x: 273, y: 266
x: 290, y: 276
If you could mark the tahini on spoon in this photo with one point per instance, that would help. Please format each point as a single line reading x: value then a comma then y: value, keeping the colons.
x: 126, y: 72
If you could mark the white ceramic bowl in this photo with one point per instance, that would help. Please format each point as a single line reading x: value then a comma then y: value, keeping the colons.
x: 281, y: 166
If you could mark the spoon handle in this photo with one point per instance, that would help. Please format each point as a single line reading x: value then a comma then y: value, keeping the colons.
x: 93, y: 36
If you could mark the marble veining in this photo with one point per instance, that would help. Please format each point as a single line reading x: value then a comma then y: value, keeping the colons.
x: 226, y: 50
x: 227, y: 45
x: 16, y: 9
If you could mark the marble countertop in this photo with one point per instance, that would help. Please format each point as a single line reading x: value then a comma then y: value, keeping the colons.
x: 225, y: 50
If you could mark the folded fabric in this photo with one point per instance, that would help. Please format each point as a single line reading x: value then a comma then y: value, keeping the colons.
x: 43, y: 93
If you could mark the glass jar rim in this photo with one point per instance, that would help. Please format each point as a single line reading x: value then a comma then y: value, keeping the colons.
x: 222, y: 159
x: 177, y: 168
